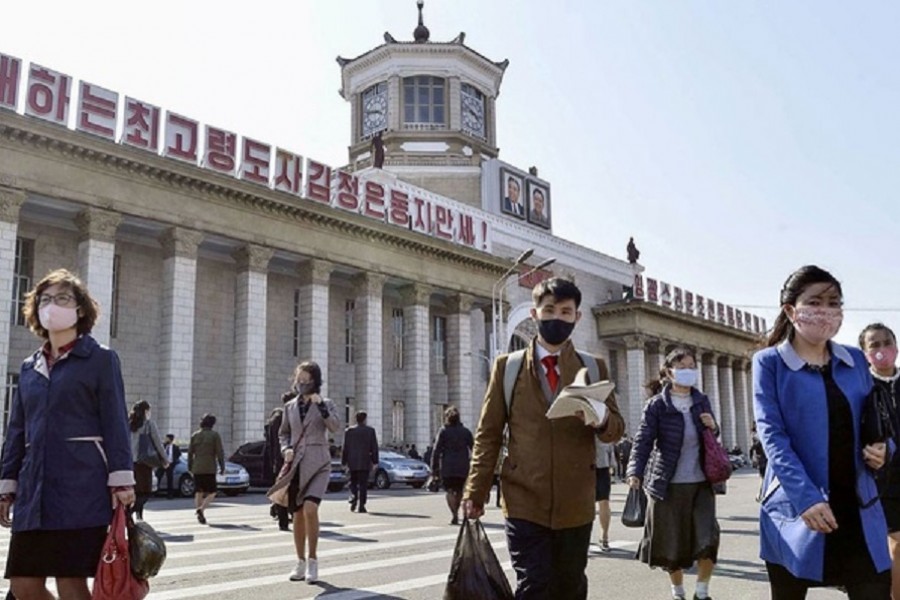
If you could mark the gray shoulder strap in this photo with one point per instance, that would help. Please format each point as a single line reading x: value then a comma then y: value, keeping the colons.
x: 590, y: 362
x: 510, y: 374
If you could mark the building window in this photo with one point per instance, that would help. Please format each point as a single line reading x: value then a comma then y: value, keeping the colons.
x: 349, y: 412
x: 9, y: 392
x: 296, y: 345
x: 23, y: 273
x: 397, y: 333
x: 424, y: 103
x: 373, y: 109
x: 614, y: 367
x: 472, y: 106
x: 398, y: 421
x: 114, y: 307
x: 349, y: 308
x: 439, y: 345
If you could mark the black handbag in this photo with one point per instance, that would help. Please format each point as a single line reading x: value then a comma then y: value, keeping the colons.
x: 876, y: 425
x: 635, y: 510
x: 146, y: 549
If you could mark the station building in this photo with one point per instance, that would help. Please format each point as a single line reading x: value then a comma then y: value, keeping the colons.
x: 221, y: 261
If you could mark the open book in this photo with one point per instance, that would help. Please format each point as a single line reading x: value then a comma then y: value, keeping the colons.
x: 589, y: 398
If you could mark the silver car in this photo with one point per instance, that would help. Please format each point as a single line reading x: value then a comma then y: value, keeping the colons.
x: 397, y: 468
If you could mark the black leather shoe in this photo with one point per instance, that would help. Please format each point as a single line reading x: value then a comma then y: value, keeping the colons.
x: 362, y: 509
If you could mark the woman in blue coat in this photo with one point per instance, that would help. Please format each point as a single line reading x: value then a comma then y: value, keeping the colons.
x: 821, y: 523
x: 67, y: 454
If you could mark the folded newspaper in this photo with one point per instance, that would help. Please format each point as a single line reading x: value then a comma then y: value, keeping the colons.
x: 589, y: 398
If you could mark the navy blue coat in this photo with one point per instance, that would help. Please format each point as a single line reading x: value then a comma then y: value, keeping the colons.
x: 452, y: 451
x: 53, y: 456
x: 658, y: 440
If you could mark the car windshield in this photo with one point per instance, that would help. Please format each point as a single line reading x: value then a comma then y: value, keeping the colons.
x: 390, y: 456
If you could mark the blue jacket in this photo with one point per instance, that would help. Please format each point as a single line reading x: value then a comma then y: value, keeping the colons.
x: 659, y: 438
x: 67, y: 440
x: 792, y: 423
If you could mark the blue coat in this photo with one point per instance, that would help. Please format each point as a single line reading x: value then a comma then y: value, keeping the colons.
x: 792, y: 422
x: 659, y: 438
x: 53, y: 458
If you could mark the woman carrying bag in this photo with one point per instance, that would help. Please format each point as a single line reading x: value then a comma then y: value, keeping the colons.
x: 681, y: 525
x: 148, y: 451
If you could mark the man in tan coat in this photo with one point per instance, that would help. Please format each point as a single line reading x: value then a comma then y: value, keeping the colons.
x: 548, y: 476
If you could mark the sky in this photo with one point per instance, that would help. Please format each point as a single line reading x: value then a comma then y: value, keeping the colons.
x: 736, y: 141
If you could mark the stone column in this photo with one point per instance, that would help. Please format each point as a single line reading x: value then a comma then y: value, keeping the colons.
x: 11, y: 201
x: 315, y: 279
x: 698, y: 359
x: 176, y: 341
x: 742, y: 412
x: 728, y: 418
x: 711, y: 382
x: 369, y: 362
x: 416, y: 355
x: 637, y: 376
x: 96, y: 250
x: 251, y: 285
x: 459, y: 344
x: 656, y: 355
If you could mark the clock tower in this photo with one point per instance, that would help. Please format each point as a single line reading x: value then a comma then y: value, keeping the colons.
x: 431, y: 106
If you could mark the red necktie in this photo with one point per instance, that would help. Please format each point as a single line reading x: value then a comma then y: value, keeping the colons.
x: 549, y: 363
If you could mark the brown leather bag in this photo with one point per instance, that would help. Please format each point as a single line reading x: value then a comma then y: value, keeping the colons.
x: 114, y: 579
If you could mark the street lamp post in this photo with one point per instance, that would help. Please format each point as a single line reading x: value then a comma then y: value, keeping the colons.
x: 542, y: 265
x: 498, y: 322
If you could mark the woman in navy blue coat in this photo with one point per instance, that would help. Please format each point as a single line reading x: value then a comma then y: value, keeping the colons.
x: 821, y: 523
x: 67, y: 454
x: 681, y: 526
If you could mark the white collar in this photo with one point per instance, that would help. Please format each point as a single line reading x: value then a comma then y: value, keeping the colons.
x: 540, y: 352
x: 890, y: 379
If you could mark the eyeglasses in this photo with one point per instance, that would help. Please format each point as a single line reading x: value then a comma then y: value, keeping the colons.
x: 62, y: 299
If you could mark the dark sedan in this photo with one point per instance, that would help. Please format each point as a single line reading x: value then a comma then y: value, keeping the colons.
x: 250, y: 456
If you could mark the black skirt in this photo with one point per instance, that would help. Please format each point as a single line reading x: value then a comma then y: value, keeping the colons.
x: 59, y: 553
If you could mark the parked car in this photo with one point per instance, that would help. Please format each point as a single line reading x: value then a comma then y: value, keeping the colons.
x: 396, y: 468
x: 236, y: 479
x: 250, y: 456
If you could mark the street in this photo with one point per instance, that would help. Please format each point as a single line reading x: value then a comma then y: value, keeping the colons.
x: 402, y: 549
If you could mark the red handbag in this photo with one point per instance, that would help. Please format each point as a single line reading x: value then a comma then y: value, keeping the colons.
x: 716, y: 465
x: 114, y: 580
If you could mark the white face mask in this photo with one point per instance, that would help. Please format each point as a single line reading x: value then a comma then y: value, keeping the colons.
x: 685, y: 377
x: 57, y: 318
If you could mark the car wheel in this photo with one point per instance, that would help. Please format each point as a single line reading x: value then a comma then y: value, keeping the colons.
x: 418, y: 485
x: 382, y: 481
x: 186, y: 486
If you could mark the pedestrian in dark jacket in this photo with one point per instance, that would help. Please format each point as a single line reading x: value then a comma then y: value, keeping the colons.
x: 69, y: 412
x: 681, y: 525
x: 203, y: 454
x: 273, y: 460
x: 450, y: 458
x: 359, y: 455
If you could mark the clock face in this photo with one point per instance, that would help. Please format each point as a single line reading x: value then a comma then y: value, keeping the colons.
x: 473, y: 114
x: 374, y: 117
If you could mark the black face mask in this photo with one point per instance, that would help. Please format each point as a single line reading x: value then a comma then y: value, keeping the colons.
x: 555, y: 331
x: 306, y: 388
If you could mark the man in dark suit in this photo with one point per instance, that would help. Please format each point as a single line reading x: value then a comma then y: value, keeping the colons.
x: 173, y: 453
x: 511, y: 202
x: 360, y: 454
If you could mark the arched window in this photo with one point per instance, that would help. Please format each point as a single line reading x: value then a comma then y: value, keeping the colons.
x: 424, y: 102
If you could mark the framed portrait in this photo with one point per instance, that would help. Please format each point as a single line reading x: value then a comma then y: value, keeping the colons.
x: 538, y: 204
x: 512, y: 194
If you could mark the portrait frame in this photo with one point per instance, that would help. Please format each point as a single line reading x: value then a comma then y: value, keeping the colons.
x: 544, y: 191
x: 505, y: 176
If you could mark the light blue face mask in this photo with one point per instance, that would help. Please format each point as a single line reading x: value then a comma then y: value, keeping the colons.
x: 685, y: 377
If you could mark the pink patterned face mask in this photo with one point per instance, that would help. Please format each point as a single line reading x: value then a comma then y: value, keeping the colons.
x: 816, y: 324
x: 884, y: 358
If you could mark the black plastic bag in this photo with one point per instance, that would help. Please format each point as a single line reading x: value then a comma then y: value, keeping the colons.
x: 147, y: 549
x: 635, y: 508
x: 475, y: 573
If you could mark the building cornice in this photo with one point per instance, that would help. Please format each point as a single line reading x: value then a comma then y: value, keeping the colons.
x: 40, y: 138
x: 636, y: 307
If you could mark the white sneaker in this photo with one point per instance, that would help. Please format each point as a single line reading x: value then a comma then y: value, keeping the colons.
x: 312, y: 571
x: 299, y: 572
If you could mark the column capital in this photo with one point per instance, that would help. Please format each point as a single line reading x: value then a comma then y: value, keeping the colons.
x: 97, y: 224
x: 315, y: 271
x: 740, y: 363
x: 461, y: 303
x: 251, y: 257
x: 11, y: 201
x: 370, y: 283
x: 708, y: 357
x: 178, y: 241
x: 416, y: 294
x: 634, y: 342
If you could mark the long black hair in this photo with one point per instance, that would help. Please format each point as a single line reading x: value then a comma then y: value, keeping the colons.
x: 138, y: 415
x: 796, y: 283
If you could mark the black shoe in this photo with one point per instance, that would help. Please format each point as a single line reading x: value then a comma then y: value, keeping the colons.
x: 352, y: 508
x: 284, y: 527
x: 454, y: 520
x: 200, y: 517
x: 362, y: 509
x: 696, y: 597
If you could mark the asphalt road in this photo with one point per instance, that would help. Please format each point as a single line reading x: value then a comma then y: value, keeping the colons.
x: 402, y: 549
